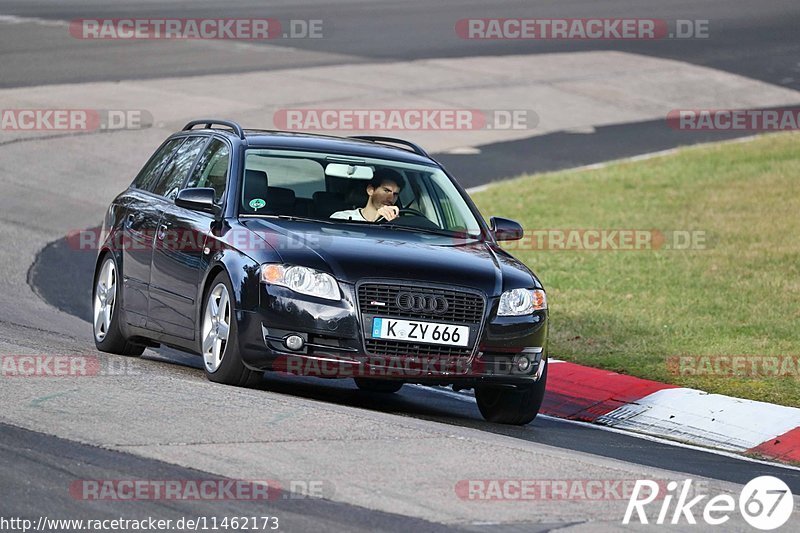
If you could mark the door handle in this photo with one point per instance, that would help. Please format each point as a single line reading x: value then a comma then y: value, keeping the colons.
x: 162, y: 232
x: 129, y: 220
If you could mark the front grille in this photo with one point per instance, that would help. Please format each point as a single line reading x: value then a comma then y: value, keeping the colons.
x: 463, y: 307
x: 408, y: 349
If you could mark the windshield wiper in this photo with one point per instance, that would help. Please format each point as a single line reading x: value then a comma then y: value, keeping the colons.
x: 292, y: 217
x: 429, y: 231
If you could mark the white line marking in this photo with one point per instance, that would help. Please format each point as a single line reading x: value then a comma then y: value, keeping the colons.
x: 479, y: 188
x: 668, y: 442
x: 462, y: 150
x: 469, y: 398
x: 13, y: 19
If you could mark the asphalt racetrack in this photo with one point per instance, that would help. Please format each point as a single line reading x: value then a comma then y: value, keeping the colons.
x: 374, y: 463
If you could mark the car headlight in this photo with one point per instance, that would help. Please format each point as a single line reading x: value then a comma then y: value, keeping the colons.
x: 517, y: 302
x: 301, y: 279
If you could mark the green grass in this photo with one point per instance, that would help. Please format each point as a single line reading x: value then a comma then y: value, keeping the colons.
x: 627, y: 311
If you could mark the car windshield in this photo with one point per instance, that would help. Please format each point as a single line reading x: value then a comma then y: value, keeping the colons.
x: 334, y: 188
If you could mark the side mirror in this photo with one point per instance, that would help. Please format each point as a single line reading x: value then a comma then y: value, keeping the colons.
x: 505, y: 229
x: 198, y: 199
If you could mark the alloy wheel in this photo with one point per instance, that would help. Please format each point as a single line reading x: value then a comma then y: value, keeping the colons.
x: 216, y: 327
x: 104, y: 299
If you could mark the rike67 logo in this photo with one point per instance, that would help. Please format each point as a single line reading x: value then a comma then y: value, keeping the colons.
x: 765, y: 503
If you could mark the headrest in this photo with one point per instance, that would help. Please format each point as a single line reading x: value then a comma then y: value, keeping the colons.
x: 326, y: 203
x: 280, y: 199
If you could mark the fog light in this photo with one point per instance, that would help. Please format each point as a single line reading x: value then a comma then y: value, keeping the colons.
x: 294, y: 342
x: 523, y: 363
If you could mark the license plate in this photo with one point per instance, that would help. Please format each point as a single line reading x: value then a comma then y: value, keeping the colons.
x: 415, y: 331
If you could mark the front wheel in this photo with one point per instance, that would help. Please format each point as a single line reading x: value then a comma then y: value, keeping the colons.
x: 222, y: 361
x: 511, y: 406
x: 108, y: 336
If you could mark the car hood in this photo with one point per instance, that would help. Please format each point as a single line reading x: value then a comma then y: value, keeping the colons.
x: 354, y: 252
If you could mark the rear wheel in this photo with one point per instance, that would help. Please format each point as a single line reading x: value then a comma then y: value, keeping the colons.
x: 511, y: 406
x: 222, y: 361
x: 376, y: 385
x: 108, y: 336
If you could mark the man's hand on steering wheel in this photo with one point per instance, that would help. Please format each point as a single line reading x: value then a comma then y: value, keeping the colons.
x: 388, y: 212
x: 402, y: 211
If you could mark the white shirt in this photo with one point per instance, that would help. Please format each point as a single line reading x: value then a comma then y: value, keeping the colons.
x: 351, y: 214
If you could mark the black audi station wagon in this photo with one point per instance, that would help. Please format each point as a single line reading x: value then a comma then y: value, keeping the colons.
x: 356, y: 257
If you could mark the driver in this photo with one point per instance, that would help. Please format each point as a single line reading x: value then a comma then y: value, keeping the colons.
x: 383, y: 190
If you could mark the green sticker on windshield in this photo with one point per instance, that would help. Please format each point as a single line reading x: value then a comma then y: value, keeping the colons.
x: 257, y: 203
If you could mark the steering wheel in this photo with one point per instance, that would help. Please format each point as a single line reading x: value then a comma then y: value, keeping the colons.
x: 407, y: 211
x: 404, y: 211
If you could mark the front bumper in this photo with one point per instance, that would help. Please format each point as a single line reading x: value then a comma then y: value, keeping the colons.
x: 507, y: 350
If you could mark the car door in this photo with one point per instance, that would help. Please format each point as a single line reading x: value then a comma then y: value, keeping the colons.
x: 180, y: 239
x: 140, y: 216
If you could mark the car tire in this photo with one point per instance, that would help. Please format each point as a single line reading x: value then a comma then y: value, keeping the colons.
x: 219, y: 339
x: 106, y: 300
x: 377, y: 385
x: 511, y: 406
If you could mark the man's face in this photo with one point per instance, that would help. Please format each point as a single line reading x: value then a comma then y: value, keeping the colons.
x: 385, y: 194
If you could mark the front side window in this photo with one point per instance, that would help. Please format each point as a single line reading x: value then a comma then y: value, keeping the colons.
x: 212, y: 169
x: 171, y: 180
x: 335, y: 189
x: 152, y: 171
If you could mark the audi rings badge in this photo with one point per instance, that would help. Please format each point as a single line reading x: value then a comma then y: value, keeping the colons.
x: 422, y: 303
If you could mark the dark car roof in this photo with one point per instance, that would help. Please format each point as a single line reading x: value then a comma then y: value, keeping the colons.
x: 285, y: 140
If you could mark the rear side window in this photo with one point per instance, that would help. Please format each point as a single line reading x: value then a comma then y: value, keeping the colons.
x: 212, y: 169
x: 153, y: 169
x: 171, y: 180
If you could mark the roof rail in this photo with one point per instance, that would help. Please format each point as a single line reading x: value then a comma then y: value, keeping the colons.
x: 417, y: 149
x: 237, y: 129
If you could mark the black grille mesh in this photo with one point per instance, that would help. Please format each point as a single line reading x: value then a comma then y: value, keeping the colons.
x: 408, y: 349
